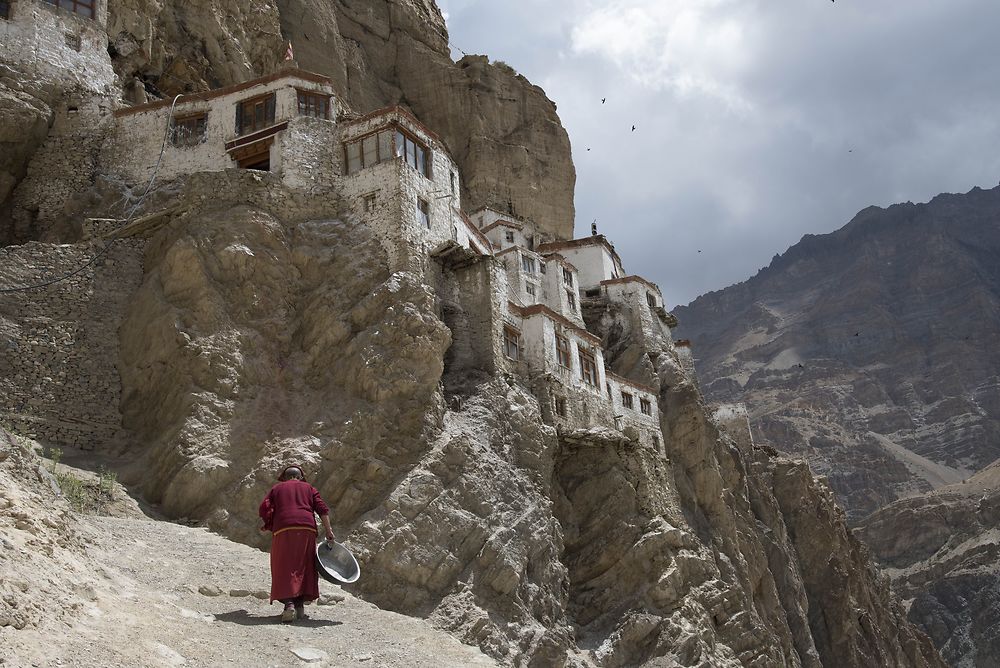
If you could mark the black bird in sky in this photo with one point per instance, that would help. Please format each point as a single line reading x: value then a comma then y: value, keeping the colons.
x: 633, y: 128
x: 857, y: 333
x: 699, y: 250
x: 603, y: 99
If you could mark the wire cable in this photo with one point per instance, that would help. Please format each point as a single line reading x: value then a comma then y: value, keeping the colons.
x: 128, y: 217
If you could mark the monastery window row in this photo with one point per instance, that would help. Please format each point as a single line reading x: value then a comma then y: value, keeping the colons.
x: 189, y: 130
x: 562, y: 351
x: 512, y: 343
x: 423, y: 213
x: 255, y: 114
x: 81, y: 7
x: 386, y: 145
x: 588, y: 368
x: 314, y: 105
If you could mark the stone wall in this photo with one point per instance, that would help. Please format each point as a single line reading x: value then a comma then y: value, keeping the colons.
x: 51, y: 62
x: 468, y: 297
x: 59, y: 379
x: 51, y: 196
x: 57, y: 49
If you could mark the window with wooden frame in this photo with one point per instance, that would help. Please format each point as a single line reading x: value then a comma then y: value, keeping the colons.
x: 645, y: 407
x: 509, y: 236
x: 512, y: 343
x: 541, y: 267
x: 627, y: 400
x: 369, y: 202
x: 84, y: 8
x: 189, y: 130
x: 651, y: 300
x: 567, y: 277
x: 4, y: 9
x: 368, y: 150
x: 254, y: 114
x: 588, y: 368
x: 530, y: 289
x: 571, y: 300
x: 561, y: 406
x: 528, y: 264
x: 316, y: 105
x: 423, y: 213
x: 414, y: 153
x: 562, y: 351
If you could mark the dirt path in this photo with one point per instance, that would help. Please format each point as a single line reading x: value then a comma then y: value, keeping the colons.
x: 146, y: 611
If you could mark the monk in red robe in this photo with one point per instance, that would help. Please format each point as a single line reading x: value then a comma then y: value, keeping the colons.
x: 287, y: 511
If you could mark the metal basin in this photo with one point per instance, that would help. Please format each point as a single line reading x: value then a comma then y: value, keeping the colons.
x: 336, y: 564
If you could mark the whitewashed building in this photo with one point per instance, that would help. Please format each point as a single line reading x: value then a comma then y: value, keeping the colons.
x: 512, y: 299
x: 283, y: 123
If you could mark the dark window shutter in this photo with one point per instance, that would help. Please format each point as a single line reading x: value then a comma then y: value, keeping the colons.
x: 239, y: 119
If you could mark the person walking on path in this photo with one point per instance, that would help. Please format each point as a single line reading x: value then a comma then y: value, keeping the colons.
x: 288, y: 513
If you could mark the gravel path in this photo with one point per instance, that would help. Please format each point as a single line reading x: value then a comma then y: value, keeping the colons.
x: 170, y: 595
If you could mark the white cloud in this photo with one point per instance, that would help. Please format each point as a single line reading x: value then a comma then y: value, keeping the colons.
x: 689, y: 46
x: 837, y: 106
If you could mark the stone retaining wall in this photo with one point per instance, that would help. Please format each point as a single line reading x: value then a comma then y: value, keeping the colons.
x: 59, y: 379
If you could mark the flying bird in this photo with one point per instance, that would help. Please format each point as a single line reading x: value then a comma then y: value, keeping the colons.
x: 699, y: 250
x: 857, y: 333
x: 633, y: 128
x: 603, y: 99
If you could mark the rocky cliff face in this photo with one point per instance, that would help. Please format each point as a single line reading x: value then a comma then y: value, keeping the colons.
x: 941, y: 550
x: 267, y: 329
x: 869, y: 351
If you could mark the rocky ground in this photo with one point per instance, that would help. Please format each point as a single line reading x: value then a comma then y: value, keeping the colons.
x: 134, y: 591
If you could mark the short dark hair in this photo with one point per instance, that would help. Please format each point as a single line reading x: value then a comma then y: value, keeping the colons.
x: 292, y: 473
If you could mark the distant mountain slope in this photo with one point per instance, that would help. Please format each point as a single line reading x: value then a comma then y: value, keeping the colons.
x: 872, y: 351
x: 941, y: 549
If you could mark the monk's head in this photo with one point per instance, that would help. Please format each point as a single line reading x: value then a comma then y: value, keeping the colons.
x: 291, y: 473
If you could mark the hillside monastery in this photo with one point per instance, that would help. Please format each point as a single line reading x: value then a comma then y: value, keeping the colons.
x: 513, y: 299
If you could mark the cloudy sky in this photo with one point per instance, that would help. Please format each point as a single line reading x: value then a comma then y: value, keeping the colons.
x: 757, y: 121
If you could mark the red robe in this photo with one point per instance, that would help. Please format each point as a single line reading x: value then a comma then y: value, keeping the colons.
x: 288, y: 511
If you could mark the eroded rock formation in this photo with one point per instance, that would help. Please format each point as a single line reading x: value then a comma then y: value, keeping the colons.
x: 267, y: 327
x: 869, y: 351
x: 941, y: 550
